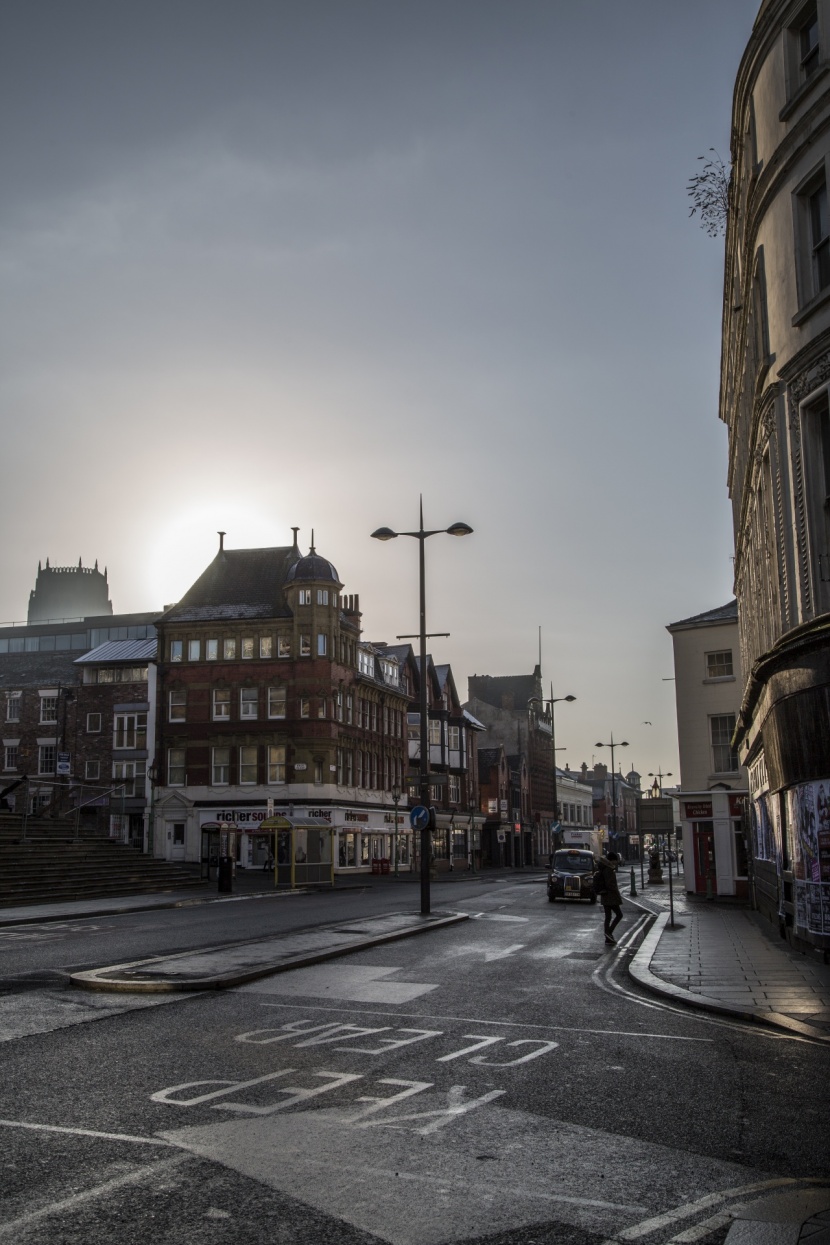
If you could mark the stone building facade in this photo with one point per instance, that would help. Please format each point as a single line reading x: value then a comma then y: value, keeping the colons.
x: 775, y: 378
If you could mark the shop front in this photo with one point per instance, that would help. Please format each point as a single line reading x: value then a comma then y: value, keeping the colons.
x: 715, y: 860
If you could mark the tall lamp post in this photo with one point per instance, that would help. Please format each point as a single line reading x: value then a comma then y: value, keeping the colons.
x: 552, y: 700
x: 386, y: 533
x: 612, y: 746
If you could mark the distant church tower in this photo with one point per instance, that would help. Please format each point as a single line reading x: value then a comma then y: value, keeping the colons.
x: 68, y: 592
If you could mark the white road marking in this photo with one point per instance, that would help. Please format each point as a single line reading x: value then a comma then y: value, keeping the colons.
x: 700, y: 1230
x: 68, y: 1204
x: 510, y: 1024
x: 496, y: 916
x: 489, y: 956
x: 83, y: 1132
x: 689, y: 1209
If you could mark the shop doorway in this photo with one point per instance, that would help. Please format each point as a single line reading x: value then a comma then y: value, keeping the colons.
x: 705, y: 864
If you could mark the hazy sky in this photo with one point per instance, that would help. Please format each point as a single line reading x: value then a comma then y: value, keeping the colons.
x: 275, y: 263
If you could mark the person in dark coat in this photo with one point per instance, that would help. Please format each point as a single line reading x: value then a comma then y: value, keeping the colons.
x: 610, y: 897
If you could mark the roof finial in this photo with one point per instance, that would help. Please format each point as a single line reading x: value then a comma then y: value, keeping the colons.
x: 312, y: 550
x: 221, y: 536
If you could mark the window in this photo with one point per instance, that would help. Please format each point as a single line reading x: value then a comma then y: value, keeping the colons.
x: 48, y: 708
x: 176, y: 647
x: 211, y: 650
x: 305, y: 596
x: 248, y: 702
x: 719, y: 665
x: 454, y: 738
x: 130, y: 730
x: 305, y: 707
x: 220, y: 766
x: 340, y: 767
x: 194, y: 650
x: 373, y: 712
x: 13, y: 706
x: 276, y: 702
x: 93, y: 723
x: 175, y: 767
x: 176, y: 706
x: 11, y: 753
x: 434, y: 731
x: 365, y: 662
x: 92, y: 771
x: 118, y: 674
x: 819, y: 237
x: 221, y: 703
x: 247, y: 647
x: 322, y: 596
x: 808, y: 45
x: 46, y: 759
x: 276, y: 763
x: 349, y: 757
x: 724, y: 758
x: 350, y: 709
x: 322, y: 644
x: 454, y: 788
x: 283, y: 646
x: 339, y: 706
x: 130, y: 775
x: 305, y: 645
x: 265, y: 646
x: 229, y: 650
x: 321, y: 707
x: 318, y: 772
x: 248, y: 764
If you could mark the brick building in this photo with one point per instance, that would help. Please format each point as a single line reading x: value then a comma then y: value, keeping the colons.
x: 268, y: 700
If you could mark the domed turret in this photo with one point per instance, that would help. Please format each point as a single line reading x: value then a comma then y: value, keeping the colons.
x: 312, y: 568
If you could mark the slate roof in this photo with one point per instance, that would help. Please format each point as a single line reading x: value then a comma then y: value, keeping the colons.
x: 722, y: 614
x: 18, y: 670
x: 120, y: 650
x: 239, y: 583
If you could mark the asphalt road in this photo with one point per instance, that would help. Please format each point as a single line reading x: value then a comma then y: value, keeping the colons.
x: 499, y: 1080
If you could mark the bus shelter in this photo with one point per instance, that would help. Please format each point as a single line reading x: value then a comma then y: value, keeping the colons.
x: 303, y: 850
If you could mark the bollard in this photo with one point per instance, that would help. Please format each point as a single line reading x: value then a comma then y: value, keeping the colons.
x: 633, y: 890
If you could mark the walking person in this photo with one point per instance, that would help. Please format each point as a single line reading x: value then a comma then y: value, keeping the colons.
x: 609, y: 893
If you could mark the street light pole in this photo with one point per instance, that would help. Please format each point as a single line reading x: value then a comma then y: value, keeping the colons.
x: 612, y: 746
x: 553, y: 700
x: 386, y: 533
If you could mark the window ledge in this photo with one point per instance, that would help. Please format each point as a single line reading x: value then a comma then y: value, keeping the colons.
x: 720, y: 678
x: 803, y: 91
x: 804, y: 313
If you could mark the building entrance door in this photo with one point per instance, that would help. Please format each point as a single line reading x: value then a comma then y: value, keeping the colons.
x: 175, y: 839
x: 704, y: 846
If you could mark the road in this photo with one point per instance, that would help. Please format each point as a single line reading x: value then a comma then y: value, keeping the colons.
x: 499, y: 1080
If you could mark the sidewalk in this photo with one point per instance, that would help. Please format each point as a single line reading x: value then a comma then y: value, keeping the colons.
x: 728, y: 960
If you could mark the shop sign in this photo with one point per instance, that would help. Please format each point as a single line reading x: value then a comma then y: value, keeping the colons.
x: 349, y: 816
x: 698, y: 810
x: 235, y: 816
x: 736, y: 805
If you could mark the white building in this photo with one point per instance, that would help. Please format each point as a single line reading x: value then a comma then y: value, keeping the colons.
x: 713, y: 786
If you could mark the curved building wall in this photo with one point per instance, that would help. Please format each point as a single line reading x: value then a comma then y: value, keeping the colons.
x: 775, y: 375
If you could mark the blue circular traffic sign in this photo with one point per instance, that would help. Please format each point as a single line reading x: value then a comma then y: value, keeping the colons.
x: 419, y: 817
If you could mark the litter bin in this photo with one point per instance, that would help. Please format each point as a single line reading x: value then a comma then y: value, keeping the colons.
x: 384, y: 864
x: 375, y: 866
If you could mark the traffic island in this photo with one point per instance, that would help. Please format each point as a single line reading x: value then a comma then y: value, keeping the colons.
x: 221, y: 968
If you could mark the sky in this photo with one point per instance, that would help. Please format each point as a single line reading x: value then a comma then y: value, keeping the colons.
x: 300, y: 262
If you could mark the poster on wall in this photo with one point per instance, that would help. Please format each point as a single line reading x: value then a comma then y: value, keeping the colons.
x: 809, y: 811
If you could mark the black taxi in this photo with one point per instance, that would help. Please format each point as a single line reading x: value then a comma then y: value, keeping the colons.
x: 572, y: 875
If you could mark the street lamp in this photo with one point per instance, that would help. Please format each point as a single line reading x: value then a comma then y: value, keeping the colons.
x: 386, y: 533
x: 553, y: 700
x: 658, y: 779
x: 612, y: 746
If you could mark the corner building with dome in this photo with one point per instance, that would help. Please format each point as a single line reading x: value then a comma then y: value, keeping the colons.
x: 269, y: 704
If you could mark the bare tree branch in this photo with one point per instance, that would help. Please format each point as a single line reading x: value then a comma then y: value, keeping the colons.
x: 709, y: 193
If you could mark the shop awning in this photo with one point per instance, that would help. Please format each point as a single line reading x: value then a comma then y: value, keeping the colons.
x: 279, y: 822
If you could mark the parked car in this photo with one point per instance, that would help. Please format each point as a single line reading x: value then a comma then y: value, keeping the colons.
x: 572, y: 875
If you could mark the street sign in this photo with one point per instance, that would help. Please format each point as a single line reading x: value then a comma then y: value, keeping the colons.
x: 501, y: 836
x: 64, y: 764
x: 419, y: 817
x: 555, y: 827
